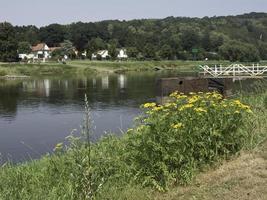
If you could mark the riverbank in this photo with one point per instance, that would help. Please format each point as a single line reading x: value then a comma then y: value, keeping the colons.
x: 67, y: 172
x: 85, y: 67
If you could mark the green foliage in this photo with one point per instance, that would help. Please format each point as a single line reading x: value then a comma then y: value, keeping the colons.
x: 265, y: 102
x: 52, y: 35
x: 112, y: 50
x: 166, y: 52
x: 132, y: 52
x: 8, y: 43
x: 24, y: 47
x: 237, y: 51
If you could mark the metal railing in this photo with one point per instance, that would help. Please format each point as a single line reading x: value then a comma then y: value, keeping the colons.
x: 234, y: 70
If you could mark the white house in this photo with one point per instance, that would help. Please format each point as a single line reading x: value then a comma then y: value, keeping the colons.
x: 84, y: 54
x: 41, y: 51
x: 103, y: 53
x: 23, y: 56
x: 122, y: 54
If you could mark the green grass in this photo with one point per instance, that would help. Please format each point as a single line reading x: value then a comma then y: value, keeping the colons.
x: 108, y: 169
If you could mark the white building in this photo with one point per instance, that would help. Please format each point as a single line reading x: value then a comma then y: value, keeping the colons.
x: 122, y: 54
x: 103, y: 53
x: 41, y: 51
x: 23, y: 56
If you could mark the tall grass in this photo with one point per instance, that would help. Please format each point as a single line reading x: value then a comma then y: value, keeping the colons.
x: 170, y: 143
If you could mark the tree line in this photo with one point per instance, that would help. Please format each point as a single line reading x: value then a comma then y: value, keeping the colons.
x: 234, y: 38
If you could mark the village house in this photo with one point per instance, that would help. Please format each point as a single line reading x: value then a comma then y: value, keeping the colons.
x: 40, y: 51
x: 122, y: 54
x: 103, y: 53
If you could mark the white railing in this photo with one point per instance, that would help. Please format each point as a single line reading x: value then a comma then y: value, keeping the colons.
x: 234, y: 70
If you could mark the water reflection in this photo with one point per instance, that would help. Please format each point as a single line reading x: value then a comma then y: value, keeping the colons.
x: 105, y: 82
x: 122, y: 81
x: 38, y: 113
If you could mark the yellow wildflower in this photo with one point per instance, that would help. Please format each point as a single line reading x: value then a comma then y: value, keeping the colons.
x: 158, y: 108
x: 174, y: 94
x: 168, y: 105
x: 186, y: 106
x: 149, y: 105
x: 200, y: 110
x: 193, y: 99
x: 177, y: 126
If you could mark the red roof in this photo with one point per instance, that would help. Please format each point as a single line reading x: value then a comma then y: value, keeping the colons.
x: 39, y: 47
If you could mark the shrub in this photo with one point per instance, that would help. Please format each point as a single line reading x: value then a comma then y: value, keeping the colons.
x: 177, y: 138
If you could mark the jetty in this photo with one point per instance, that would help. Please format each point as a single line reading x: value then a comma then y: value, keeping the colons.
x: 233, y: 70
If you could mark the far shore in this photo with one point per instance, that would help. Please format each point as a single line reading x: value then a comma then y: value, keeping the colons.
x: 88, y: 67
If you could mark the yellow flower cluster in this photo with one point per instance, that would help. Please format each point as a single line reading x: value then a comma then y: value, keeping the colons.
x: 177, y: 126
x: 200, y: 110
x: 190, y: 105
x: 170, y: 105
x: 243, y: 106
x: 149, y: 105
x: 199, y: 102
x: 157, y: 108
x: 193, y: 99
x: 177, y: 95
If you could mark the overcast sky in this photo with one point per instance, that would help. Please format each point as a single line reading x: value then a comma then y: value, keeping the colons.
x: 44, y: 12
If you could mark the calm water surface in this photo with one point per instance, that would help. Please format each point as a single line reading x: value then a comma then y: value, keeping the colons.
x: 36, y: 114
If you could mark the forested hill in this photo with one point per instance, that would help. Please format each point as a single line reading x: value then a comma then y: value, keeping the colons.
x: 241, y: 37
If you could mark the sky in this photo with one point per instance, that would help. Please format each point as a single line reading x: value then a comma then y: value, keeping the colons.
x: 44, y: 12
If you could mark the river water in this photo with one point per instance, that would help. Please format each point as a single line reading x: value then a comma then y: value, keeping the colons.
x: 36, y: 114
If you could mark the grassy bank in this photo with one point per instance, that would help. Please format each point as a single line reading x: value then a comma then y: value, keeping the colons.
x: 78, y: 67
x: 158, y: 158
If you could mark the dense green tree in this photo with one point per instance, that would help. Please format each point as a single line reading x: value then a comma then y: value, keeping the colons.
x: 67, y: 48
x: 8, y: 43
x: 263, y: 50
x: 166, y: 52
x: 189, y: 38
x: 96, y: 44
x: 132, y: 52
x: 52, y: 35
x: 24, y: 47
x: 238, y: 51
x: 27, y: 33
x: 112, y: 49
